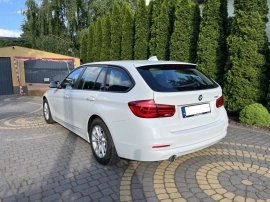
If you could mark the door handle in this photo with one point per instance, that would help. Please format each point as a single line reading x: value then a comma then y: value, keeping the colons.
x: 66, y: 96
x: 91, y: 98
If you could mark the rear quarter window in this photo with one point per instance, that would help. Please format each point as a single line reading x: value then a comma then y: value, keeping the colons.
x: 175, y: 78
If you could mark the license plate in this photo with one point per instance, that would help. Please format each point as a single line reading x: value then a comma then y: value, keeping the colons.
x: 195, y: 110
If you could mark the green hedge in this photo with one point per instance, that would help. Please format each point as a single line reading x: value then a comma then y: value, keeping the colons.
x: 255, y: 114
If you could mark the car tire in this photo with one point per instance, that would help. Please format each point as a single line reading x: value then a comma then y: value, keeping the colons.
x: 102, y: 143
x: 47, y: 112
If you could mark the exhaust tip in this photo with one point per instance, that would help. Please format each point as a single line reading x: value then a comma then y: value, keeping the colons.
x: 172, y: 158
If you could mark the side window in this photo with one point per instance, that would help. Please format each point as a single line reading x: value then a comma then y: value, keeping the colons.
x: 89, y: 77
x: 99, y: 84
x: 117, y: 80
x: 71, y: 79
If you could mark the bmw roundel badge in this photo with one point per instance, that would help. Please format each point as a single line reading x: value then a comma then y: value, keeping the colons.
x: 200, y: 98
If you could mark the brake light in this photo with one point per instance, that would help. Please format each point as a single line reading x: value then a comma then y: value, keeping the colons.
x: 220, y: 101
x: 148, y: 109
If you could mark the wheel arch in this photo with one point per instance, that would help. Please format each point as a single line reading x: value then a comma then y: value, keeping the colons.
x: 90, y: 121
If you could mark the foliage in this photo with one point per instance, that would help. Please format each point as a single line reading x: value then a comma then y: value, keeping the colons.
x: 63, y: 20
x: 17, y: 42
x: 97, y: 40
x: 255, y: 114
x: 127, y: 42
x: 52, y: 43
x: 163, y: 33
x: 83, y: 49
x: 116, y: 33
x: 171, y: 5
x: 30, y: 26
x: 106, y: 40
x: 183, y: 42
x: 245, y: 79
x: 98, y: 8
x: 154, y: 28
x: 141, y: 31
x: 90, y: 44
x: 212, y: 40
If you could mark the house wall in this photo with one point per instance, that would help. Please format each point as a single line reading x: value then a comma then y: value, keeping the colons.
x: 14, y: 51
x: 231, y: 13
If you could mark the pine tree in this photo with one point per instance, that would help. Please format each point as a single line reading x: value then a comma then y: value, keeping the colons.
x: 171, y: 4
x: 90, y: 43
x: 97, y: 40
x: 83, y: 47
x: 163, y: 33
x: 106, y: 38
x: 245, y: 80
x: 141, y: 31
x: 116, y: 22
x: 155, y: 12
x: 212, y: 39
x: 183, y: 42
x: 127, y: 34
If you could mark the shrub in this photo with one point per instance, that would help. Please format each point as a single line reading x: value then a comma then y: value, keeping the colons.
x: 255, y: 114
x: 245, y: 80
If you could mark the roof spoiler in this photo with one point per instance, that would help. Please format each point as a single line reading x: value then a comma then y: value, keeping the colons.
x: 153, y: 58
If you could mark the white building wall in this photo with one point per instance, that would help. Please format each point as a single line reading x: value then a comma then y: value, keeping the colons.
x: 231, y: 13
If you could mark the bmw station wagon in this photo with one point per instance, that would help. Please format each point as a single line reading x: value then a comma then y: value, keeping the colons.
x: 141, y: 110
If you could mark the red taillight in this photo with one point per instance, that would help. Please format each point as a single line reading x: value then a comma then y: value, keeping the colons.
x: 148, y: 109
x: 220, y: 101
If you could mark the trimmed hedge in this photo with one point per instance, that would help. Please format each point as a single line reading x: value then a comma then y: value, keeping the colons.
x: 255, y: 114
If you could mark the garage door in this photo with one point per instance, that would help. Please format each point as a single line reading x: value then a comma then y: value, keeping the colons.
x: 6, y: 87
x: 38, y: 70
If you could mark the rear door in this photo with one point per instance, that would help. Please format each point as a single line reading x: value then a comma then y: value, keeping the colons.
x: 81, y: 99
x: 193, y: 95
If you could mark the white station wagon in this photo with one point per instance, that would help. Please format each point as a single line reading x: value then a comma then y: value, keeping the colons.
x: 141, y: 110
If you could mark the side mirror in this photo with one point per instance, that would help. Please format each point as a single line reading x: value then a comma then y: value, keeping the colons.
x: 54, y: 84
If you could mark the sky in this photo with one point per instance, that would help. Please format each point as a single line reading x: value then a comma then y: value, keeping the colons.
x: 11, y: 17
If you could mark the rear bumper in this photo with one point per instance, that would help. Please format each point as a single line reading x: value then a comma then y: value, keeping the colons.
x: 135, y: 142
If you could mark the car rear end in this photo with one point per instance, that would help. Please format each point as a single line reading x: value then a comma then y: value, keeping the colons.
x: 185, y: 114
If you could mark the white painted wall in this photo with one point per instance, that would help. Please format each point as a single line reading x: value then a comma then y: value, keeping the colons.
x: 231, y: 13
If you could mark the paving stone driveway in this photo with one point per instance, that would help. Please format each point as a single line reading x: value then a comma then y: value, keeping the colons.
x: 41, y: 162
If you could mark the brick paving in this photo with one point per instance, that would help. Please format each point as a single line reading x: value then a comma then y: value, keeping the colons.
x: 41, y: 162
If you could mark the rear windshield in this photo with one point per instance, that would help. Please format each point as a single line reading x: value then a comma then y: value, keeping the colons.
x: 175, y: 78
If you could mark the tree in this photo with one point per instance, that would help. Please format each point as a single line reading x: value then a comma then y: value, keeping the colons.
x: 154, y: 12
x: 30, y: 27
x: 90, y: 44
x: 127, y: 34
x: 97, y: 40
x: 186, y: 28
x: 163, y: 33
x: 245, y: 80
x: 83, y: 49
x: 106, y: 38
x: 116, y: 27
x: 141, y: 31
x: 98, y: 8
x: 212, y: 40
